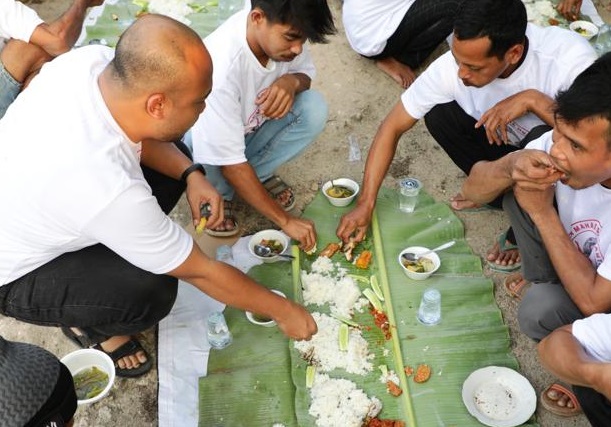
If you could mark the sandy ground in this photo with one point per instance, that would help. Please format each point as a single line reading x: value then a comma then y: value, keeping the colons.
x: 359, y: 97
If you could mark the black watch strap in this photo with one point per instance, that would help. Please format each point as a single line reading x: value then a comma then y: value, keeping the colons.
x: 194, y: 167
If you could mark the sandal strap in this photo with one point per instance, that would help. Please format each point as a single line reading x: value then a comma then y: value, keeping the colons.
x: 131, y: 347
x: 568, y: 393
x: 275, y: 185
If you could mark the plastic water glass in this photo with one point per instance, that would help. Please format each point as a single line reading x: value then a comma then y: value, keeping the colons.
x: 219, y: 335
x: 409, y: 188
x: 429, y: 312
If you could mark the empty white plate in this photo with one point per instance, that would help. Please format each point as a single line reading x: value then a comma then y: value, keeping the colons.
x: 499, y: 396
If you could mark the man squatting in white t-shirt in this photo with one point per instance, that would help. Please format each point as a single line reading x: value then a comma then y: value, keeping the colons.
x: 501, y: 74
x: 87, y: 244
x: 261, y: 112
x: 27, y: 42
x: 560, y: 208
x: 398, y: 34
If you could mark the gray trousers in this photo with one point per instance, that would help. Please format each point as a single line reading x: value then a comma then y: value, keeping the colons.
x: 545, y: 305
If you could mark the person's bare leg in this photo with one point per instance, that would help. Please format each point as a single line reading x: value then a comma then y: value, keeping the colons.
x: 399, y: 72
x: 23, y: 60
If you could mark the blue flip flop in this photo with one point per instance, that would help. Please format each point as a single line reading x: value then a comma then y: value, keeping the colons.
x: 503, y: 247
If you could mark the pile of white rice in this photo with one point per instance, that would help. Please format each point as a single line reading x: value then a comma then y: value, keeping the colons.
x: 338, y: 402
x: 540, y: 11
x: 325, y: 352
x: 328, y: 283
x: 177, y: 9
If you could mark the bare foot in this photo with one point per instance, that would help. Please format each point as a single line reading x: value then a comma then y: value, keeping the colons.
x: 504, y: 258
x: 458, y: 203
x: 399, y: 72
x: 560, y: 398
x: 128, y: 362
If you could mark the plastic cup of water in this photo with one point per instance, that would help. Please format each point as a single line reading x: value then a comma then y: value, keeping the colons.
x: 409, y: 188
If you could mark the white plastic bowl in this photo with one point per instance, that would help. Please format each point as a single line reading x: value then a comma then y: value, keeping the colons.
x: 584, y: 28
x: 418, y: 250
x: 267, y: 235
x: 86, y: 358
x: 252, y: 319
x: 345, y: 182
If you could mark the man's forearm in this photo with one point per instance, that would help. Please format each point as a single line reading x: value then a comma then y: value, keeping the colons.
x: 165, y: 158
x: 60, y: 35
x: 575, y: 271
x: 244, y: 180
x: 487, y: 180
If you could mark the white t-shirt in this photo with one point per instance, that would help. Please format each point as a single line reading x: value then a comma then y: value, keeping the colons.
x: 370, y: 23
x: 594, y: 334
x: 71, y: 178
x: 17, y: 21
x: 555, y: 57
x: 585, y: 215
x: 231, y: 112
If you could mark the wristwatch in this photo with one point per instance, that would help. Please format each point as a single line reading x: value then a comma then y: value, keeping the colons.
x: 194, y: 167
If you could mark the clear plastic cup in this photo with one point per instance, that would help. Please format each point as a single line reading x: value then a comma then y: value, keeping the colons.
x: 409, y: 188
x: 219, y: 335
x: 429, y: 312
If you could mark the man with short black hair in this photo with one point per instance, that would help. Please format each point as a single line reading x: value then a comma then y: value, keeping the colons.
x: 560, y: 209
x: 261, y: 112
x: 485, y: 98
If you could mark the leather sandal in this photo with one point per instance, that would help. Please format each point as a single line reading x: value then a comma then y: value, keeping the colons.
x: 551, y: 404
x: 275, y: 186
x: 229, y: 216
x: 515, y: 285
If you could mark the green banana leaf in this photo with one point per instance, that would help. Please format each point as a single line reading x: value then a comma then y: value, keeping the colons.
x: 260, y: 379
x: 115, y: 18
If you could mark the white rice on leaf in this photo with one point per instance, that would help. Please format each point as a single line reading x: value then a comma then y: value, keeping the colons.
x: 324, y: 350
x: 338, y: 402
x: 177, y: 9
x: 328, y: 284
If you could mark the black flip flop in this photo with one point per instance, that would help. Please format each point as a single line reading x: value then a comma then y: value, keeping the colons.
x: 130, y: 347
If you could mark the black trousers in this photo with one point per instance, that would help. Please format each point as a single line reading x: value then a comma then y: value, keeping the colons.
x: 454, y: 130
x: 425, y: 25
x: 595, y: 406
x: 95, y: 289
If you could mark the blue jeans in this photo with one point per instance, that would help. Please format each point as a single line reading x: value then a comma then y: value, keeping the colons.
x: 9, y: 89
x: 277, y: 141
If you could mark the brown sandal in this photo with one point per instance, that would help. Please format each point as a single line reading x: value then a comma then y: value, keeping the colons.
x: 515, y: 285
x: 275, y: 186
x: 551, y: 404
x: 229, y: 216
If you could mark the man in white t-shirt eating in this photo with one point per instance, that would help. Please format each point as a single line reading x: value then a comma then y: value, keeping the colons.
x: 87, y: 243
x: 261, y: 112
x: 485, y: 98
x: 560, y: 209
x: 398, y: 34
x: 30, y: 42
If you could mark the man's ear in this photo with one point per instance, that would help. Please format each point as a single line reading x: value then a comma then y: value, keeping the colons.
x: 257, y: 16
x: 156, y: 104
x: 514, y: 54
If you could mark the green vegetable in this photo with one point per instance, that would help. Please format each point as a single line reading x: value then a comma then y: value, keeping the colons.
x: 344, y: 336
x: 373, y: 299
x: 90, y: 382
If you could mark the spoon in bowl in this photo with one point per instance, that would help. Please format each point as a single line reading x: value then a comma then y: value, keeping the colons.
x: 264, y: 251
x: 412, y: 257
